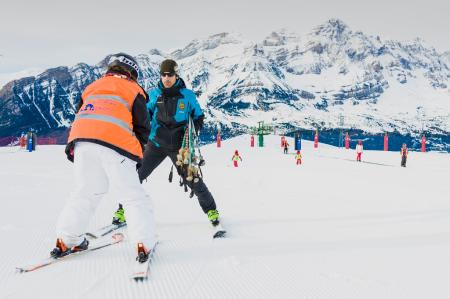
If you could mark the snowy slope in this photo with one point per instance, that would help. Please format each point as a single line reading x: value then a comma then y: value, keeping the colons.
x: 330, y: 228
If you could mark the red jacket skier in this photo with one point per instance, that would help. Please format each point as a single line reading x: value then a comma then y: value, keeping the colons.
x: 359, y: 150
x: 235, y: 158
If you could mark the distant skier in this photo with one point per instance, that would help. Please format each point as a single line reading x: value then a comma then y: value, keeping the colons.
x: 31, y: 140
x: 236, y: 157
x: 404, y: 154
x: 285, y: 147
x: 105, y: 143
x: 22, y: 140
x: 359, y: 150
x: 298, y: 158
x: 170, y: 106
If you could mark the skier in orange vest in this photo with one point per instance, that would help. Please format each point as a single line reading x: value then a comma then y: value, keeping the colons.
x: 106, y: 142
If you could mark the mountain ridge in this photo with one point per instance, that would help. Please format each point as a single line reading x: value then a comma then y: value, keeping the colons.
x: 286, y: 79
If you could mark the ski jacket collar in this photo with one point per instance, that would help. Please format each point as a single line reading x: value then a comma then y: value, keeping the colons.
x: 174, y: 90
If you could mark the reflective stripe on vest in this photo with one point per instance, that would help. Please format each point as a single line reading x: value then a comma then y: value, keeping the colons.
x: 108, y: 97
x: 106, y: 118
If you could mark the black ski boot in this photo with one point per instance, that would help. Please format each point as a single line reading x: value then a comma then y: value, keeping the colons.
x: 119, y: 216
x: 213, y: 217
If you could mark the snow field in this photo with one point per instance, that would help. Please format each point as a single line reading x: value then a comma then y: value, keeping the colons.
x: 330, y: 228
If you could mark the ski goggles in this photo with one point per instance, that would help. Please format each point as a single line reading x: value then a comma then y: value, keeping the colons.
x: 167, y: 74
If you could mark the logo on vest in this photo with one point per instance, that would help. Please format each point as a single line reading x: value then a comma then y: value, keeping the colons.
x: 181, y: 106
x: 89, y: 107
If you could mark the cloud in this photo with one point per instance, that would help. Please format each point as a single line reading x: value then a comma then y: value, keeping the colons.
x: 52, y: 33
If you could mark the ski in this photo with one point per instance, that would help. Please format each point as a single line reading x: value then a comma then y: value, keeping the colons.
x: 219, y: 231
x: 141, y: 270
x: 103, y: 231
x: 95, y: 245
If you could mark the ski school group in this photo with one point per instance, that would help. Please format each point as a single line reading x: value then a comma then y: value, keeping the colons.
x: 358, y: 150
x: 120, y: 135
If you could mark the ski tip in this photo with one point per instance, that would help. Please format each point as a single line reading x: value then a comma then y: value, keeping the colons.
x: 117, y: 237
x: 20, y: 270
x: 139, y: 276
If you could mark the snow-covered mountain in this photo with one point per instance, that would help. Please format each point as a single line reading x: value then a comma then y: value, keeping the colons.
x: 286, y: 79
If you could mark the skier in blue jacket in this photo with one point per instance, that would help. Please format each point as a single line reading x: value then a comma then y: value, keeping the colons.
x: 170, y: 106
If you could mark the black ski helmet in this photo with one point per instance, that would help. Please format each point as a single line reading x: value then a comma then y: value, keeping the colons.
x: 125, y: 63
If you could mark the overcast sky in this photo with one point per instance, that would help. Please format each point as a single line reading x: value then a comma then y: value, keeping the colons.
x: 48, y: 33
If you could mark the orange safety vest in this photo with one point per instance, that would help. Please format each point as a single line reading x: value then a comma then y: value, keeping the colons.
x: 106, y: 114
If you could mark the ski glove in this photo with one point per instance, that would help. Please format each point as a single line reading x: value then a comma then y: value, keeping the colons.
x: 69, y: 151
x: 198, y: 123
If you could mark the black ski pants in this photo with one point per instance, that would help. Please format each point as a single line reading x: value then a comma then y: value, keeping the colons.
x: 153, y: 156
x: 403, y: 161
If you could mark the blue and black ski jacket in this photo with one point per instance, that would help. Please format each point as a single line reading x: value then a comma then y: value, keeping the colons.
x: 169, y: 110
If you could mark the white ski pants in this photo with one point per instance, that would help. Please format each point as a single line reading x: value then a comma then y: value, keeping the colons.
x: 96, y: 167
